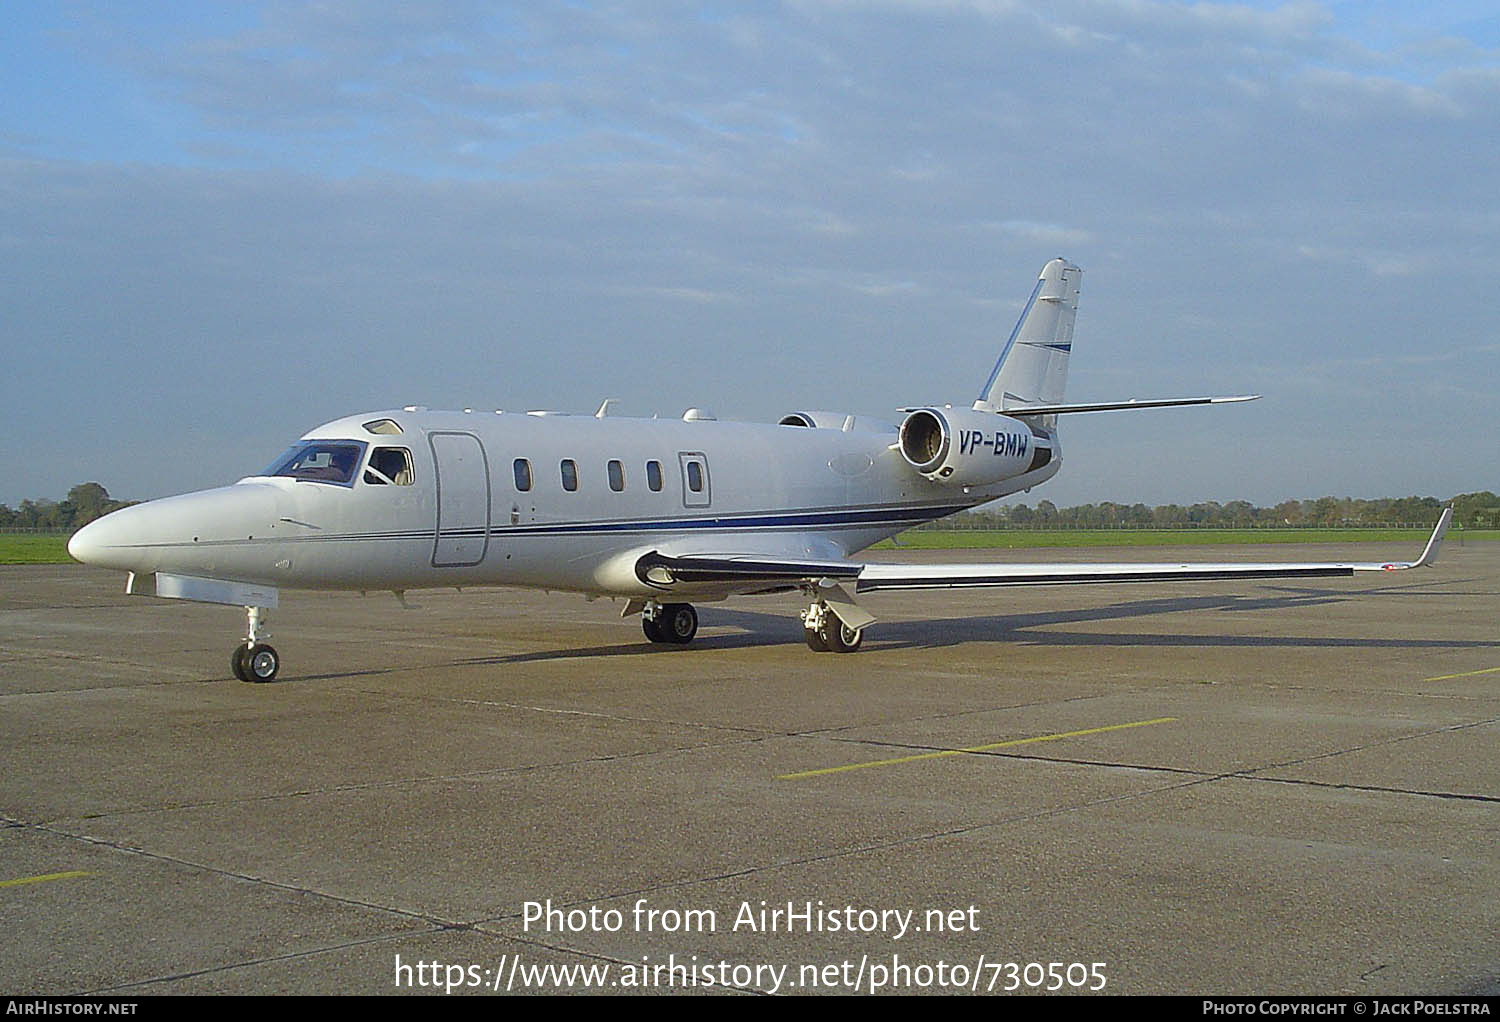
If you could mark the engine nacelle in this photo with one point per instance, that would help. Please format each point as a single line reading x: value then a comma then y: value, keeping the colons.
x: 836, y: 420
x: 968, y: 448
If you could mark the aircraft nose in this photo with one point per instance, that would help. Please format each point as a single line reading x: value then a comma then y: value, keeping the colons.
x: 165, y: 534
x: 103, y: 542
x: 83, y: 545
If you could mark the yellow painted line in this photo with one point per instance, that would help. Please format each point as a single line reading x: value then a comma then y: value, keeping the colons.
x: 44, y: 878
x: 1464, y: 674
x: 977, y: 748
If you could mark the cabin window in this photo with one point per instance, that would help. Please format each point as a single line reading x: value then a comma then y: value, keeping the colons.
x: 523, y: 474
x: 389, y: 465
x: 616, y: 476
x: 653, y: 476
x: 319, y: 462
x: 695, y: 476
x: 570, y: 474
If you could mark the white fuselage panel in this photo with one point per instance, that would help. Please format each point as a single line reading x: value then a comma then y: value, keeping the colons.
x: 589, y: 496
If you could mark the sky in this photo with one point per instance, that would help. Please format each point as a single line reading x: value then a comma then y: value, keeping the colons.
x: 223, y: 224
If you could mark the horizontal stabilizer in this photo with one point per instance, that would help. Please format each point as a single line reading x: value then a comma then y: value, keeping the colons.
x: 1111, y: 406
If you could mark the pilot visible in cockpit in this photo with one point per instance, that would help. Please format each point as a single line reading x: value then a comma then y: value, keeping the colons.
x: 389, y: 465
x: 339, y: 469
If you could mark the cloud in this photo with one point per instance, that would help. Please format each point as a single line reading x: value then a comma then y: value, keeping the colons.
x: 1054, y: 235
x: 1341, y: 93
x: 1381, y: 264
x: 552, y: 202
x: 677, y: 294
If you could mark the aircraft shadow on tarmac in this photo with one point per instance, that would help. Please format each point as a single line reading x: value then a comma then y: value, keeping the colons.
x: 760, y: 629
x: 1037, y: 628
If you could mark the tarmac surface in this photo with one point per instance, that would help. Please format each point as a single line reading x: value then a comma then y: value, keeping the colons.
x: 1256, y: 787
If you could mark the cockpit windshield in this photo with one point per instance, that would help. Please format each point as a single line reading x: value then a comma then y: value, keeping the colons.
x: 319, y: 462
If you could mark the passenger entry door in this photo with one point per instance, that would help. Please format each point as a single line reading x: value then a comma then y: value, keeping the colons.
x: 463, y: 500
x: 695, y: 486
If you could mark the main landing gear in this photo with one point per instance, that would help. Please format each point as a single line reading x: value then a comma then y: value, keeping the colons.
x: 677, y: 624
x: 253, y: 660
x: 674, y: 623
x: 825, y: 633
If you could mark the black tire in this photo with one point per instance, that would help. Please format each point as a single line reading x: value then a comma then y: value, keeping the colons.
x: 839, y: 637
x: 678, y: 623
x: 237, y: 662
x: 261, y: 663
x: 652, y: 628
x: 814, y: 640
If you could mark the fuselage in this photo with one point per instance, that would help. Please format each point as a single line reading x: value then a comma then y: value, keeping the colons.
x: 407, y: 499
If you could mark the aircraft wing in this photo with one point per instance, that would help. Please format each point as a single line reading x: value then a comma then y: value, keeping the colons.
x: 769, y: 572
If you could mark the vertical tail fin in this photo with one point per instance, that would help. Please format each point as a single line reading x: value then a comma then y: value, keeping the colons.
x: 1033, y: 367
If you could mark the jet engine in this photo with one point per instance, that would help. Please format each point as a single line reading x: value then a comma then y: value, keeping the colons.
x: 970, y: 448
x: 836, y: 420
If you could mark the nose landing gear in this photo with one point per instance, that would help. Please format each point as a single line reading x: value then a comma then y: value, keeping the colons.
x: 253, y: 660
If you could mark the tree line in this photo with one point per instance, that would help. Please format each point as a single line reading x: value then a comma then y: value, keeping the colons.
x: 83, y: 504
x: 1481, y: 510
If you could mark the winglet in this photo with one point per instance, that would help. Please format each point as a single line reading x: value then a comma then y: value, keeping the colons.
x: 1429, y: 556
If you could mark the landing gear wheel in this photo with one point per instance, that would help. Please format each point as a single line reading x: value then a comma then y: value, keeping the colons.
x: 261, y: 663
x: 652, y: 628
x: 237, y: 662
x: 839, y: 637
x: 815, y: 641
x: 678, y: 623
x: 253, y: 660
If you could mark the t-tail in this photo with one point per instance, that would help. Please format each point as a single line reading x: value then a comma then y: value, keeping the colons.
x: 1032, y: 372
x: 1010, y: 433
x: 1033, y: 367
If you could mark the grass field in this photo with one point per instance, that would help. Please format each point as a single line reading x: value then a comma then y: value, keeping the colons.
x: 33, y: 548
x: 1023, y: 539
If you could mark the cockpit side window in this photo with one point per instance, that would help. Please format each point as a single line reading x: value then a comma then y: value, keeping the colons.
x: 389, y: 465
x: 319, y: 461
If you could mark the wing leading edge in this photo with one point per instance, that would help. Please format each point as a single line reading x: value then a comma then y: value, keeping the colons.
x: 758, y: 572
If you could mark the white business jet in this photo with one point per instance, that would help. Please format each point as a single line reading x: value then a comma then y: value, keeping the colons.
x: 657, y: 512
